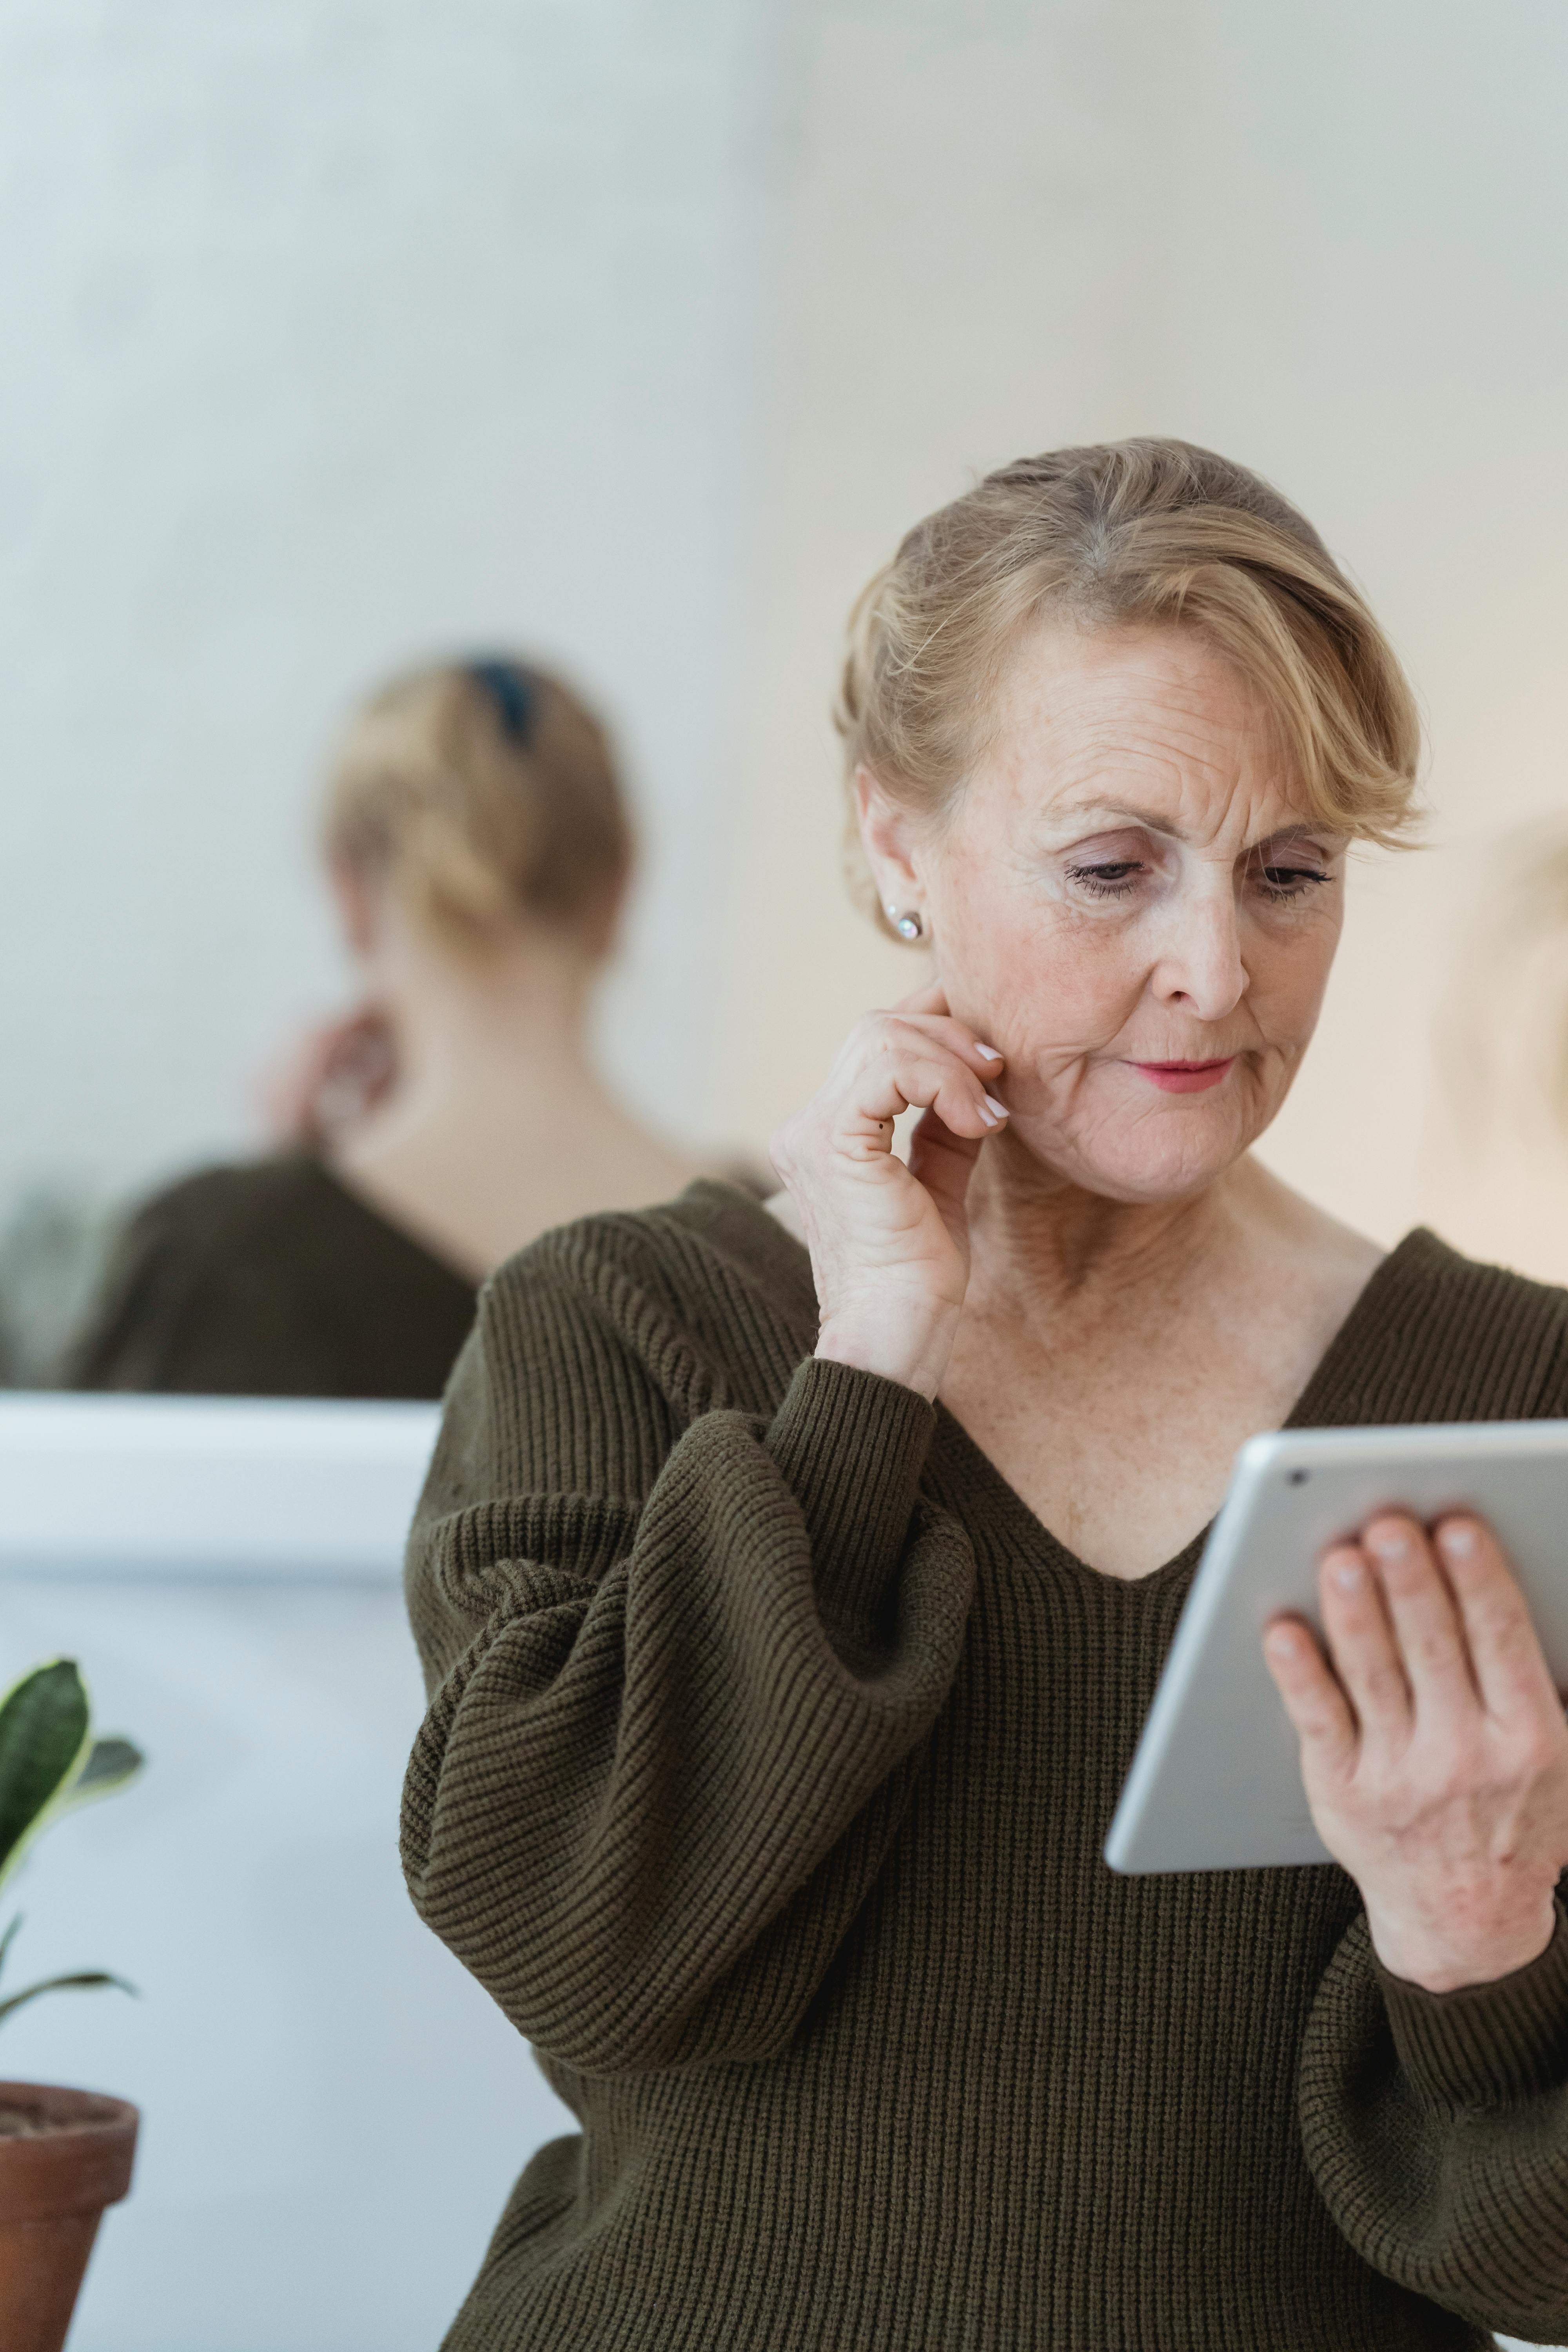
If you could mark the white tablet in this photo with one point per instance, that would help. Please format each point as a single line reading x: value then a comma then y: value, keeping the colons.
x: 1216, y: 1781
x: 108, y: 1485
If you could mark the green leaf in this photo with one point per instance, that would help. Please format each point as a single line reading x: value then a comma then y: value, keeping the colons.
x: 44, y: 1738
x: 60, y: 1984
x: 8, y: 1938
x: 108, y: 1765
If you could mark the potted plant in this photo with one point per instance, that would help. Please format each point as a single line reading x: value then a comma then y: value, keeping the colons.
x: 64, y: 2155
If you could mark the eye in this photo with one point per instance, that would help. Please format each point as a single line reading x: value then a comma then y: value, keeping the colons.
x: 1283, y: 882
x: 1107, y: 877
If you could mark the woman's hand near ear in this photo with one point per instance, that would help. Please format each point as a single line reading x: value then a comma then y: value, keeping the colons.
x: 329, y: 1080
x: 890, y: 1243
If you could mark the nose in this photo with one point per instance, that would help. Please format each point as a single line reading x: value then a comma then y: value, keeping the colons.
x: 1200, y: 968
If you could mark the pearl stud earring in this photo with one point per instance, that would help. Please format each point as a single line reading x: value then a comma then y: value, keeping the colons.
x: 908, y: 926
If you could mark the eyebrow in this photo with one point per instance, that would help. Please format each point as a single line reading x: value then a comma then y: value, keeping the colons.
x: 1122, y: 814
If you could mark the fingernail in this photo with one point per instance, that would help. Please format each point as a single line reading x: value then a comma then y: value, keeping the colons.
x: 1000, y: 1108
x: 1349, y: 1575
x: 989, y: 1051
x: 989, y: 1116
x: 1389, y: 1543
x: 1457, y: 1540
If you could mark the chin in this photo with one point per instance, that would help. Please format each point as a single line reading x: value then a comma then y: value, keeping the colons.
x: 1148, y: 1160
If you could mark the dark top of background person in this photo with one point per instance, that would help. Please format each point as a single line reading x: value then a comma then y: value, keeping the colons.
x: 275, y: 1280
x: 479, y: 849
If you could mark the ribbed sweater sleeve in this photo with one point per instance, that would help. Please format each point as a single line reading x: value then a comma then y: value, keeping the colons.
x: 1437, y: 2127
x: 681, y: 1666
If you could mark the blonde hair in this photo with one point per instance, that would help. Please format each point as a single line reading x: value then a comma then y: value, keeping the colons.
x: 1143, y: 534
x: 485, y: 795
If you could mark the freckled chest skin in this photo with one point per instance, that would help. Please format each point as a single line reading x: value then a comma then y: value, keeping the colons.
x: 1113, y: 1389
x: 1117, y: 1421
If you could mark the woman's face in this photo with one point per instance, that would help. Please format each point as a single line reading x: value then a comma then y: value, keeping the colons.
x: 1129, y: 904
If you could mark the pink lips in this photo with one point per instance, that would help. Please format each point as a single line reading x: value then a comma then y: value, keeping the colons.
x: 1184, y: 1077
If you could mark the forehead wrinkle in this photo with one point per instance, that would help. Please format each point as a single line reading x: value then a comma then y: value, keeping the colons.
x: 1197, y: 755
x: 1171, y: 746
x: 1076, y: 813
x: 1175, y: 775
x: 1188, y: 801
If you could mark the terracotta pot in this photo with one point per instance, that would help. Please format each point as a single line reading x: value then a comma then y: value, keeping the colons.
x: 55, y: 2182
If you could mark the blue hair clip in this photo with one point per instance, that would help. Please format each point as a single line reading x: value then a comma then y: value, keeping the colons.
x: 509, y: 689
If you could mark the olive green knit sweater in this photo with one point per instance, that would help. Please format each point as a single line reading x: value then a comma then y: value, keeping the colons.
x: 770, y: 1746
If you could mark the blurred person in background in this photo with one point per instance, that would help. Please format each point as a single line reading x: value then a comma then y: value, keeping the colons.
x: 478, y: 850
x: 1505, y: 1024
x: 792, y: 1581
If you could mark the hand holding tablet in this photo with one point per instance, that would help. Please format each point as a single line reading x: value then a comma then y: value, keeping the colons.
x: 1422, y: 1742
x: 1434, y: 1747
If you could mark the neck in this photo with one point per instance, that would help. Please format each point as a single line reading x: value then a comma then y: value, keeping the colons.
x: 505, y: 1029
x: 1039, y: 1241
x: 497, y: 1127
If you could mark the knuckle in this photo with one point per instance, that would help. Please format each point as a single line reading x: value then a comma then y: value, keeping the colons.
x: 1488, y: 1602
x: 1541, y: 1750
x: 1505, y: 1625
x: 1436, y: 1649
x: 874, y: 1034
x: 1318, y: 1723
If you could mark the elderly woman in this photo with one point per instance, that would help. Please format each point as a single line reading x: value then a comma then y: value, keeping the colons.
x: 792, y: 1586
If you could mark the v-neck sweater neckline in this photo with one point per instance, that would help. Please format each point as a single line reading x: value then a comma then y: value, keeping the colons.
x: 955, y: 1442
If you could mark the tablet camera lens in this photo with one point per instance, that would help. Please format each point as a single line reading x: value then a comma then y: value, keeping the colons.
x: 1298, y: 1477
